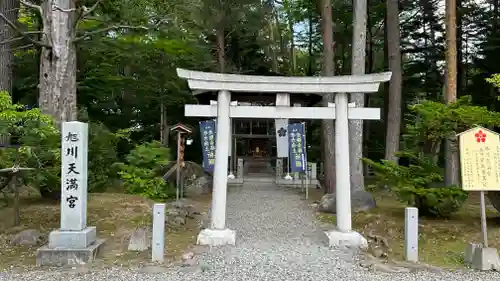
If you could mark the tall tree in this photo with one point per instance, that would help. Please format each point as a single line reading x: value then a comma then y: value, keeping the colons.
x: 451, y: 152
x: 327, y: 126
x: 10, y: 9
x: 394, y: 54
x: 58, y: 63
x: 356, y: 126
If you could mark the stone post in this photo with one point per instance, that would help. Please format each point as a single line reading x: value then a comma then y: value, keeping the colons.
x: 158, y: 237
x: 314, y: 171
x: 74, y: 242
x: 279, y: 168
x: 240, y: 168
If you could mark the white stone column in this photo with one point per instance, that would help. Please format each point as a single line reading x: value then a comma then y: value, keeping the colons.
x: 218, y: 234
x: 343, y: 236
x: 221, y: 163
x: 343, y: 186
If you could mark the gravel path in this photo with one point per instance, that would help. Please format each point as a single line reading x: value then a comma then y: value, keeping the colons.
x: 277, y: 239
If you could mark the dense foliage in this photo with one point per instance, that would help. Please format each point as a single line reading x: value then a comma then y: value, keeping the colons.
x: 141, y: 174
x: 418, y: 178
x: 35, y: 143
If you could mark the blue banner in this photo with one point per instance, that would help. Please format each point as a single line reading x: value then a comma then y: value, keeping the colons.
x: 297, y: 146
x: 207, y: 132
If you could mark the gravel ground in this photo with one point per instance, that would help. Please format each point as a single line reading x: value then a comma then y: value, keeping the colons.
x: 277, y: 239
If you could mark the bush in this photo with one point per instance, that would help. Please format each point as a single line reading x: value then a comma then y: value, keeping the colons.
x: 38, y: 142
x: 102, y: 155
x: 40, y: 148
x: 428, y: 125
x: 141, y: 173
x: 415, y: 185
x: 435, y: 201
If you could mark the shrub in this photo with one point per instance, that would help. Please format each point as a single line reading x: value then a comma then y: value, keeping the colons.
x: 428, y: 125
x: 40, y: 148
x: 102, y: 155
x: 417, y: 185
x: 38, y: 142
x: 435, y: 201
x: 141, y: 173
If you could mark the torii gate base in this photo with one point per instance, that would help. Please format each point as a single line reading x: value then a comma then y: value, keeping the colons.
x: 218, y: 234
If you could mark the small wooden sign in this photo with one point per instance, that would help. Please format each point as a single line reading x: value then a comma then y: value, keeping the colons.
x: 480, y: 159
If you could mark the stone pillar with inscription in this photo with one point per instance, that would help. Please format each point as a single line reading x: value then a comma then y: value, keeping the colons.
x: 74, y: 242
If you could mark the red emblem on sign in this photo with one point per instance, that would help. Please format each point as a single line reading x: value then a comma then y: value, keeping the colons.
x: 480, y: 136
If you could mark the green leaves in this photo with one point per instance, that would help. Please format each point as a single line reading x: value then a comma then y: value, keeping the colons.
x: 141, y: 173
x: 429, y: 123
x: 417, y: 184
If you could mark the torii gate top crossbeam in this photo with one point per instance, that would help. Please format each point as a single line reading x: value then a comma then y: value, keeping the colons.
x: 367, y: 83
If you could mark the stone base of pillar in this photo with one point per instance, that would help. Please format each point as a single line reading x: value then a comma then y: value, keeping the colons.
x: 72, y: 239
x: 46, y: 256
x: 351, y: 239
x: 70, y: 248
x: 216, y: 237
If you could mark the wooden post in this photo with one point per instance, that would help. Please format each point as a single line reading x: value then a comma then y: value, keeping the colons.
x: 13, y: 186
x: 178, y: 178
x: 180, y: 129
x: 17, y: 211
x: 484, y: 229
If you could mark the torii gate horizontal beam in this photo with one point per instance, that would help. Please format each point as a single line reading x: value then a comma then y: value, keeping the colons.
x: 367, y: 83
x: 276, y: 112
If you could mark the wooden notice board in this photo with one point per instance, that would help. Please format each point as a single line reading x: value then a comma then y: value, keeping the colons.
x: 480, y: 159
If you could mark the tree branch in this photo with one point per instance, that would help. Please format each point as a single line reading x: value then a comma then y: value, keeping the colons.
x: 32, y: 6
x: 57, y: 8
x: 83, y: 12
x: 105, y: 29
x: 11, y: 40
x: 7, y: 41
x: 88, y: 11
x: 22, y: 47
x: 23, y: 33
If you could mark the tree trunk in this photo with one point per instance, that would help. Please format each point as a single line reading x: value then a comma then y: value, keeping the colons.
x: 369, y: 69
x: 272, y: 50
x: 384, y: 86
x: 164, y: 131
x: 58, y: 64
x: 293, y: 59
x: 10, y: 9
x: 310, y: 62
x: 356, y: 126
x: 327, y: 126
x: 394, y: 53
x: 460, y: 50
x: 221, y: 48
x: 451, y: 153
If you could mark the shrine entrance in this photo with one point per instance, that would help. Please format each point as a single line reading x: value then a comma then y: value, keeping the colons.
x: 255, y: 143
x: 225, y: 109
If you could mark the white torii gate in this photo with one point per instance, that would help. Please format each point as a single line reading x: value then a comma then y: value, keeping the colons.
x: 218, y: 234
